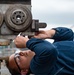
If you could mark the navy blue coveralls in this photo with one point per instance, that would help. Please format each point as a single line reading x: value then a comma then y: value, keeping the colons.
x: 56, y: 58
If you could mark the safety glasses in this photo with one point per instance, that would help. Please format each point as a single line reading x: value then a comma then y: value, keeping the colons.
x: 17, y: 56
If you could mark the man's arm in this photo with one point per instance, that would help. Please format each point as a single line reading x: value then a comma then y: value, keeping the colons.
x: 41, y: 47
x: 63, y: 34
x: 45, y: 55
x: 58, y: 34
x: 47, y: 34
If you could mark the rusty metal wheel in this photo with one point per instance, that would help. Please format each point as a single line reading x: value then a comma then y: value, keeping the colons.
x: 18, y: 17
x: 1, y: 19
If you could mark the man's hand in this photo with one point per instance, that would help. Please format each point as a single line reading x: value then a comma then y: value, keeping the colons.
x: 48, y: 34
x: 20, y: 41
x: 41, y: 34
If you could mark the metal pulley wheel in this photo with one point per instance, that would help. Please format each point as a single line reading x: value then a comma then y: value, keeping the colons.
x: 18, y: 18
x: 1, y: 19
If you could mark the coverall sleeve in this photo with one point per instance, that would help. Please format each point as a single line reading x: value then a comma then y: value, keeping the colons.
x: 46, y: 55
x: 63, y: 34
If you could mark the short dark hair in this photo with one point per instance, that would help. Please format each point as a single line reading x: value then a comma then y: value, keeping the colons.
x: 13, y: 71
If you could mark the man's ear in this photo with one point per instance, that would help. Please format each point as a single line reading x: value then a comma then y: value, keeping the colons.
x: 24, y: 72
x: 21, y: 53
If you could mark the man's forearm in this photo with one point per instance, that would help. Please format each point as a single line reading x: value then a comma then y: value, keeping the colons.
x: 63, y: 34
x: 43, y: 49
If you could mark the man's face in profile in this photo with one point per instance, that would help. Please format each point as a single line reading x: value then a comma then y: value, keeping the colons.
x: 21, y: 61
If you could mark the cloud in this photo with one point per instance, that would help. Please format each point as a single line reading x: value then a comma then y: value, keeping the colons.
x: 54, y: 11
x: 53, y: 5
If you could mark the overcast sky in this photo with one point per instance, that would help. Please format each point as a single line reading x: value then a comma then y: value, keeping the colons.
x: 55, y: 12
